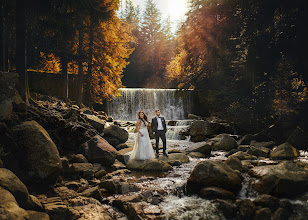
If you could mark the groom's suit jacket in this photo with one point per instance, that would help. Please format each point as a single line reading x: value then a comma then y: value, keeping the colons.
x: 154, y: 124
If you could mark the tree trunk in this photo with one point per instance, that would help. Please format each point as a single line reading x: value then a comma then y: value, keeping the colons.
x: 23, y: 87
x: 80, y: 58
x: 64, y: 63
x: 89, y: 76
x: 2, y: 39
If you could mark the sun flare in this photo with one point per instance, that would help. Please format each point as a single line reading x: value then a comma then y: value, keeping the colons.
x: 176, y: 9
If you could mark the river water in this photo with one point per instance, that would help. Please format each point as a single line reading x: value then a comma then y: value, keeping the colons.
x: 176, y: 204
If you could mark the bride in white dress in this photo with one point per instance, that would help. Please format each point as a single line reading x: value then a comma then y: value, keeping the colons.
x: 143, y: 149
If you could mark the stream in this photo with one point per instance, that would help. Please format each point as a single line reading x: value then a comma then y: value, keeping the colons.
x: 176, y: 205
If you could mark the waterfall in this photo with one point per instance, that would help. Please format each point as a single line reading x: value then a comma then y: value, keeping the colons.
x: 173, y: 132
x: 132, y: 100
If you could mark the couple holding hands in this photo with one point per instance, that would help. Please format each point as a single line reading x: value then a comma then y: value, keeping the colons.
x: 143, y: 149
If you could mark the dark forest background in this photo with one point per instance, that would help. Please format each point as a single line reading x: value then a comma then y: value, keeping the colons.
x: 246, y: 59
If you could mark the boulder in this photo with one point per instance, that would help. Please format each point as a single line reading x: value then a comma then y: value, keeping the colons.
x: 78, y: 158
x: 122, y: 154
x: 259, y: 151
x: 224, y: 142
x: 18, y: 104
x: 7, y: 94
x: 281, y: 213
x: 299, y: 138
x: 246, y: 140
x: 266, y: 144
x: 94, y: 192
x: 243, y: 156
x: 198, y: 131
x: 214, y: 128
x: 9, y: 208
x: 33, y: 204
x: 96, y: 122
x: 227, y: 207
x: 263, y: 214
x: 98, y: 150
x: 201, y: 147
x: 75, y: 134
x: 216, y: 193
x: 213, y: 174
x: 34, y: 215
x: 287, y: 178
x: 267, y: 201
x: 246, y: 209
x: 40, y: 160
x: 82, y: 169
x: 118, y: 186
x: 121, y: 146
x: 116, y: 132
x: 10, y: 182
x: 175, y: 159
x: 197, y: 155
x: 149, y: 165
x: 234, y: 163
x: 284, y: 151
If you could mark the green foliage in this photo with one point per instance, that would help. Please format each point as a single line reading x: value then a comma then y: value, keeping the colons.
x: 154, y: 47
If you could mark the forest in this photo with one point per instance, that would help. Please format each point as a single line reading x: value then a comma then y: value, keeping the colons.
x: 110, y: 109
x: 246, y: 60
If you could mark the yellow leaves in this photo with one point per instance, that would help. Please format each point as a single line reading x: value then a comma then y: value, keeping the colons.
x: 175, y: 68
x: 49, y: 63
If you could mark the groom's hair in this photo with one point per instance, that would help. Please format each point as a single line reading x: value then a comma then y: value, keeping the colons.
x: 157, y: 110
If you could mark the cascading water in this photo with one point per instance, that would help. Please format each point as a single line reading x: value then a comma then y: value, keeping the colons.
x: 132, y: 100
x: 173, y: 132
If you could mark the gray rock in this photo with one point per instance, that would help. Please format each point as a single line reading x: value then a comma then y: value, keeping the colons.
x: 82, y: 169
x: 267, y: 144
x: 98, y: 150
x: 116, y: 132
x: 34, y: 215
x: 9, y: 208
x: 246, y: 209
x: 198, y: 131
x: 284, y: 179
x: 234, y: 163
x: 149, y: 165
x: 78, y: 158
x: 263, y: 214
x: 223, y: 142
x: 10, y: 182
x: 40, y: 159
x: 175, y: 159
x: 267, y: 201
x: 284, y: 151
x: 96, y: 122
x: 213, y: 174
x: 216, y: 193
x: 259, y: 151
x: 197, y: 155
x: 299, y: 138
x: 201, y: 147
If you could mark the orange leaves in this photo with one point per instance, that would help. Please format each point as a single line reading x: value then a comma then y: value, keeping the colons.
x: 49, y: 63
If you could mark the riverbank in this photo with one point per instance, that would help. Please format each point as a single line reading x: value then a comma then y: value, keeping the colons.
x: 59, y: 161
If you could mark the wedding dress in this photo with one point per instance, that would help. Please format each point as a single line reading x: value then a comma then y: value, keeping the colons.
x: 143, y: 149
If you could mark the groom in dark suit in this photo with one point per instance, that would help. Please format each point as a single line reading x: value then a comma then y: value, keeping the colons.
x: 159, y: 128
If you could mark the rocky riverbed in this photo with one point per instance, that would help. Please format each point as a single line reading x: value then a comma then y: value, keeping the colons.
x: 59, y: 161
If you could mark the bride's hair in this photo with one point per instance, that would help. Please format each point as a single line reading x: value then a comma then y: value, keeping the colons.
x: 145, y: 118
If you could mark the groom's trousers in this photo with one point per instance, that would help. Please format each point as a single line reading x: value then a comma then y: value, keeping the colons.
x: 160, y: 134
